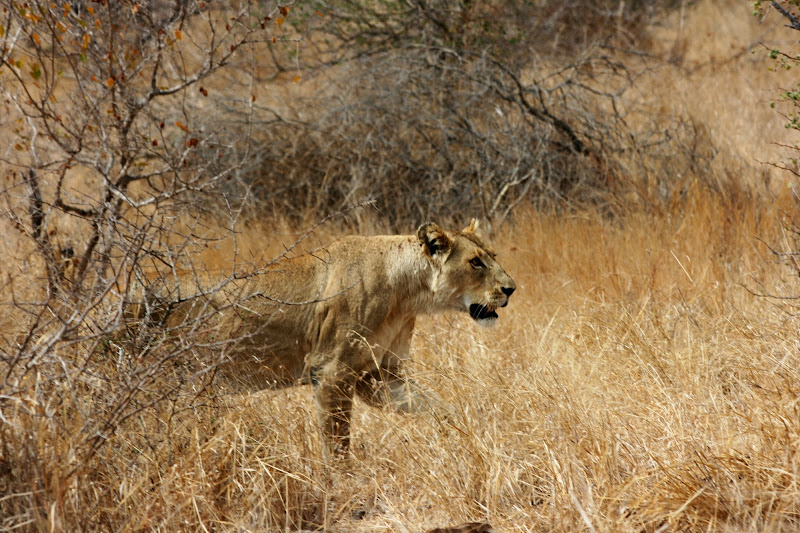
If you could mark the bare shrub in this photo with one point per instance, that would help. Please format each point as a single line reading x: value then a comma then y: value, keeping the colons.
x: 112, y: 163
x: 470, y: 107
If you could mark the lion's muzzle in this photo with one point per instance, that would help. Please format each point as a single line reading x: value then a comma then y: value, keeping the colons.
x: 482, y: 312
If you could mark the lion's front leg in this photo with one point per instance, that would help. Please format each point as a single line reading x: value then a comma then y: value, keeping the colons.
x: 333, y: 391
x: 388, y: 386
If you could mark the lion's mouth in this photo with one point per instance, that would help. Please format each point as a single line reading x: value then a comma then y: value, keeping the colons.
x: 482, y: 312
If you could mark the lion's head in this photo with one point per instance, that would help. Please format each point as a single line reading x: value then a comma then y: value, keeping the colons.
x: 468, y: 278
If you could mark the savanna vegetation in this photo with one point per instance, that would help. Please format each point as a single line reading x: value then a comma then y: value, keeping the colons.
x: 636, y: 163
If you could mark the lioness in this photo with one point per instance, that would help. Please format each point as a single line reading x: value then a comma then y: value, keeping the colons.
x: 342, y: 318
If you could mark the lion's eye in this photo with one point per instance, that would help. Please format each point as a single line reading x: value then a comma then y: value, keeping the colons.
x: 476, y: 262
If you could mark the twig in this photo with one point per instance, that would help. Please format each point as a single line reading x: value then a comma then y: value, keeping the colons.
x: 795, y: 23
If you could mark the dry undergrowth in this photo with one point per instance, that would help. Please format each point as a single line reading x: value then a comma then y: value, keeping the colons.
x: 634, y: 384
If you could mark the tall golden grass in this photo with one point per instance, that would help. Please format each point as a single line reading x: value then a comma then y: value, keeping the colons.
x: 640, y: 380
x: 637, y: 382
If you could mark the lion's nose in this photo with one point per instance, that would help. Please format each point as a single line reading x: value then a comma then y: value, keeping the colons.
x: 508, y: 291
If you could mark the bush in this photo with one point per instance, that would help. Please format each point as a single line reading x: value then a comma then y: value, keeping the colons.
x: 110, y: 170
x: 452, y: 108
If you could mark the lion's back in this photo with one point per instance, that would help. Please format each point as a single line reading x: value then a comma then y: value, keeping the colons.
x: 293, y: 307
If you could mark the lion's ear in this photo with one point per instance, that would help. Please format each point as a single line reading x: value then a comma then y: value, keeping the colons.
x: 474, y: 228
x: 433, y: 239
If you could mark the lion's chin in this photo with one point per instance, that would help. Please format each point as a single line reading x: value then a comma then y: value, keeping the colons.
x: 484, y: 315
x: 487, y: 322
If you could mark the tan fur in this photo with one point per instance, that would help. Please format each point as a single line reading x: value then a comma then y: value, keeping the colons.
x: 343, y: 317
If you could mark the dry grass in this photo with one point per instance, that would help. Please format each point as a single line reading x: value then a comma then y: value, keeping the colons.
x: 635, y: 383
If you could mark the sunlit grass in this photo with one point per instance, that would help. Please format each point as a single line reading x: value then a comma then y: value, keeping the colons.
x: 633, y: 384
